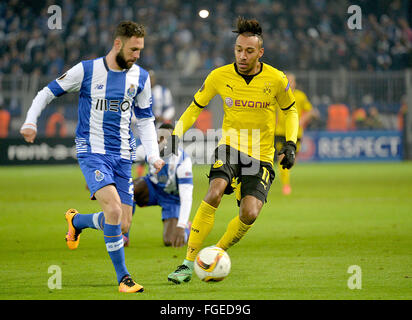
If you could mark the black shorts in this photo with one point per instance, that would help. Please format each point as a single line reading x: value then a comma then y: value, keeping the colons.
x: 280, y: 141
x: 255, y: 177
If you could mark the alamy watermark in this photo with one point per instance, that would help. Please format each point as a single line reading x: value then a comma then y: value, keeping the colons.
x: 55, y: 280
x: 355, y: 280
x: 55, y: 20
x: 355, y: 20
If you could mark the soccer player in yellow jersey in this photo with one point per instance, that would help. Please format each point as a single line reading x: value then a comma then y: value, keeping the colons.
x: 304, y: 108
x: 251, y: 91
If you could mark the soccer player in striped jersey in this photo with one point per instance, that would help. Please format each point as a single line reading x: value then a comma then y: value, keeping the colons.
x: 171, y: 189
x: 111, y: 88
x: 251, y: 91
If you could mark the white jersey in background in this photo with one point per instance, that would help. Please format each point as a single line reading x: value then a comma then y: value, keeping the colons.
x: 162, y: 103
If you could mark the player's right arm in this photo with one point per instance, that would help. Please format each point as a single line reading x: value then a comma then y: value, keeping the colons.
x: 200, y: 101
x: 69, y: 82
x: 145, y: 127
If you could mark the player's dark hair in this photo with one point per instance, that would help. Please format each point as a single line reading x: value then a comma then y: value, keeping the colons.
x: 128, y: 29
x: 166, y: 126
x: 249, y: 28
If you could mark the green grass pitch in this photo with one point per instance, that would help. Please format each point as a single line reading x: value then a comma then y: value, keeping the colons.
x: 301, y: 246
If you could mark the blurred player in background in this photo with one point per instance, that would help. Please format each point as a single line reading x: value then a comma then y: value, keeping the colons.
x: 305, y: 112
x: 245, y: 152
x: 171, y: 189
x: 110, y: 88
x: 163, y: 110
x: 163, y: 107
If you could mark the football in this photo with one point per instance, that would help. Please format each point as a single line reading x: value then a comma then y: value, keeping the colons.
x: 212, y: 264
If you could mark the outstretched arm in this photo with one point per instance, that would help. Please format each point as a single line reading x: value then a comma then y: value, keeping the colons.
x: 68, y: 82
x: 148, y: 136
x: 188, y: 118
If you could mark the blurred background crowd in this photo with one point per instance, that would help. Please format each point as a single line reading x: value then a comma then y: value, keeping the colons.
x: 303, y: 34
x: 309, y: 37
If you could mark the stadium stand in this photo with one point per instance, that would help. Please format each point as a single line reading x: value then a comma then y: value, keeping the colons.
x: 303, y: 36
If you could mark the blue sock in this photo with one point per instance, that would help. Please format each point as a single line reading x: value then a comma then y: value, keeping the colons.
x: 114, y: 244
x: 93, y: 220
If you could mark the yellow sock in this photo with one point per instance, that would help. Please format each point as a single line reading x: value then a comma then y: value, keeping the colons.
x: 235, y: 231
x: 284, y: 176
x: 201, y: 227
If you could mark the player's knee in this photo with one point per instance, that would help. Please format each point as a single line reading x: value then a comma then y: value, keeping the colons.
x: 114, y: 214
x: 213, y: 197
x: 249, y: 215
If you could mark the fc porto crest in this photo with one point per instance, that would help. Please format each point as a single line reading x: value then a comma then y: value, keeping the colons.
x: 98, y: 175
x: 131, y: 92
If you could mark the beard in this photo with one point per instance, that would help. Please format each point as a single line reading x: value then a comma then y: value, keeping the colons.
x: 121, y: 61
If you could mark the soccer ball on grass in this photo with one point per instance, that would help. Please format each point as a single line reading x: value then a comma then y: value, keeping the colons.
x: 212, y: 264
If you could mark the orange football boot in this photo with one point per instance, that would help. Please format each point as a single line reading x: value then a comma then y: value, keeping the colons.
x: 129, y: 286
x: 73, y: 235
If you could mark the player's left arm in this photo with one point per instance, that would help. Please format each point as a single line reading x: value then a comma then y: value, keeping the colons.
x: 184, y: 177
x: 287, y: 104
x: 146, y: 127
x: 200, y: 101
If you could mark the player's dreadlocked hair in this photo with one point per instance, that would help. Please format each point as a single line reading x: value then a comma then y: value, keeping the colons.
x: 249, y: 27
x: 128, y: 29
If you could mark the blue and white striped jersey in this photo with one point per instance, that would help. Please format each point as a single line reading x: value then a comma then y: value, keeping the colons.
x: 176, y: 171
x: 106, y: 101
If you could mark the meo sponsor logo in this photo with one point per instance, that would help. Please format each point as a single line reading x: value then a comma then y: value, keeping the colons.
x: 112, y: 105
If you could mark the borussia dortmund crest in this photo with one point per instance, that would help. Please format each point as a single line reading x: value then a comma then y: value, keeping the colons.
x: 218, y: 164
x: 267, y: 89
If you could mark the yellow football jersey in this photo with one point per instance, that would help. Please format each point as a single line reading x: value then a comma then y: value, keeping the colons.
x: 249, y: 105
x: 302, y: 104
